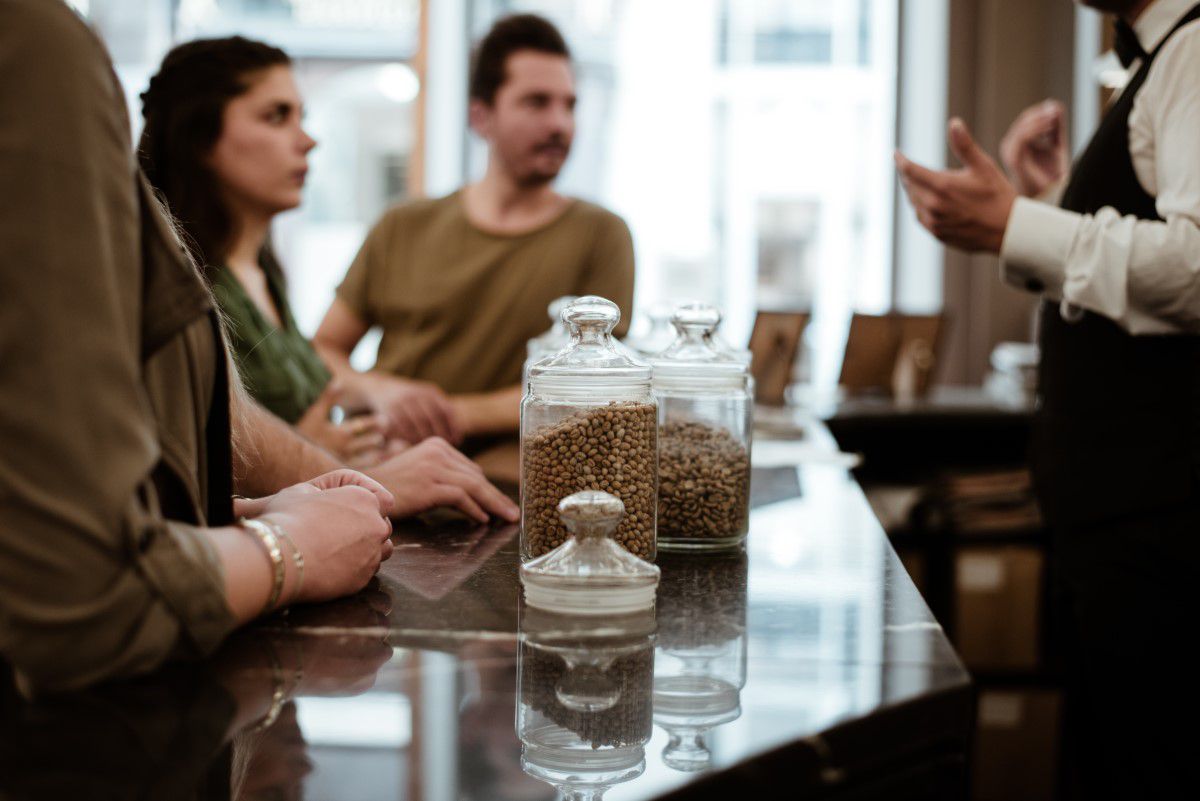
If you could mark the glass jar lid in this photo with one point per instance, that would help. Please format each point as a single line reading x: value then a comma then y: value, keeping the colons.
x: 657, y: 335
x: 592, y: 354
x: 590, y: 574
x: 694, y: 361
x: 718, y: 344
x: 556, y: 337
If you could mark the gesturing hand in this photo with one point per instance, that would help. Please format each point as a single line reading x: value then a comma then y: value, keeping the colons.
x: 1034, y: 150
x: 966, y: 208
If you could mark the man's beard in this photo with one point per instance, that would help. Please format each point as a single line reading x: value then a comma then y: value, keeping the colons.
x: 534, y: 178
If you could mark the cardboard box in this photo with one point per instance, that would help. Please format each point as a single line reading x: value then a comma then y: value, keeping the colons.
x: 998, y: 604
x: 1016, y: 745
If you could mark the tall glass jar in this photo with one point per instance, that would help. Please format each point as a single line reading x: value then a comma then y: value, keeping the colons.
x: 588, y: 422
x: 704, y: 430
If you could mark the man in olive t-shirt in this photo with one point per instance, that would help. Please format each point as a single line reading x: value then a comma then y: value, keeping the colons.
x: 460, y: 284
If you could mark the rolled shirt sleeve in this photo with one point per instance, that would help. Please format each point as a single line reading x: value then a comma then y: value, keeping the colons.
x: 95, y: 583
x: 1143, y: 274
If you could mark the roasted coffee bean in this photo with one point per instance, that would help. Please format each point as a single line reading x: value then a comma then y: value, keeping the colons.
x: 703, y: 484
x: 610, y: 448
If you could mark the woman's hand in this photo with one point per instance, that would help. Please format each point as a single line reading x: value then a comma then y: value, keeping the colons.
x: 338, y: 522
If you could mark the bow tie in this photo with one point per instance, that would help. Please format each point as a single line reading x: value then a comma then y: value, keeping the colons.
x: 1126, y: 43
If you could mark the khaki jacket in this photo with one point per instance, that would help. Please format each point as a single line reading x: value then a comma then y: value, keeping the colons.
x: 114, y: 406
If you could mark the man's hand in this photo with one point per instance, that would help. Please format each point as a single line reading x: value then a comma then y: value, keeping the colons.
x: 966, y: 208
x: 1034, y: 150
x: 415, y: 409
x: 434, y: 474
x: 358, y: 442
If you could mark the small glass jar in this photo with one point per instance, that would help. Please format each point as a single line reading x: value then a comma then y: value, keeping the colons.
x: 704, y: 431
x: 590, y: 574
x: 550, y: 341
x: 588, y: 422
x: 700, y: 660
x: 584, y: 712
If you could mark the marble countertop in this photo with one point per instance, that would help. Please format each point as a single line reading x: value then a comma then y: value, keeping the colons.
x: 808, y: 657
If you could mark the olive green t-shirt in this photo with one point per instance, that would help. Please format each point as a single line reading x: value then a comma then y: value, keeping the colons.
x: 457, y: 304
x: 278, y: 365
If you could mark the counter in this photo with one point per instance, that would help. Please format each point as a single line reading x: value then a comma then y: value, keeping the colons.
x: 834, y: 681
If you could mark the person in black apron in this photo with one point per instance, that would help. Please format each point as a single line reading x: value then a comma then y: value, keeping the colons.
x: 1116, y: 451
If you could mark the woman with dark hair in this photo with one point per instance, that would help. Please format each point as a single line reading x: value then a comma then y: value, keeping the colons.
x: 224, y: 145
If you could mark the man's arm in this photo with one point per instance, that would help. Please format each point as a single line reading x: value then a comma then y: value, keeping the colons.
x: 339, y: 333
x: 271, y: 455
x: 497, y: 412
x: 610, y: 269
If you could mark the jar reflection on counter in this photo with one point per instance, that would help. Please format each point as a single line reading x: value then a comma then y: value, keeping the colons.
x: 700, y: 659
x: 584, y: 712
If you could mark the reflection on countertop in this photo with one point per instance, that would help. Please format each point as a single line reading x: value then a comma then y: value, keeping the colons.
x: 807, y: 662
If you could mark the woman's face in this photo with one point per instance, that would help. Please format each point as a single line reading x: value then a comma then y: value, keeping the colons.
x: 261, y: 156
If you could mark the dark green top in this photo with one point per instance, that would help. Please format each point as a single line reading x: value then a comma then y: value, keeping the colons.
x: 278, y: 365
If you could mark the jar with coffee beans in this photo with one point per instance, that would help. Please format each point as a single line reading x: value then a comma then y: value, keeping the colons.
x: 589, y: 422
x: 704, y: 431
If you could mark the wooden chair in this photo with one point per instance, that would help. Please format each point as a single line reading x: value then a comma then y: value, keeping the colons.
x: 774, y: 344
x: 891, y: 354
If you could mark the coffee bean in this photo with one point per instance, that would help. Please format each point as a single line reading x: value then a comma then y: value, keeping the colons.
x: 703, y: 482
x: 617, y: 454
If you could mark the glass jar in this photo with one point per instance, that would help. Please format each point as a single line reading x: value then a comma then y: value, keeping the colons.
x: 550, y: 341
x: 700, y: 660
x: 588, y: 422
x: 584, y: 712
x: 590, y: 574
x: 704, y: 430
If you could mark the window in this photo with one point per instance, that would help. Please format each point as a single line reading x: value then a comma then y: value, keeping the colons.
x: 746, y: 142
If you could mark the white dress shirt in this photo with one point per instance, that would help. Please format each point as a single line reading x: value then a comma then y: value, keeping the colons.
x: 1143, y: 274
